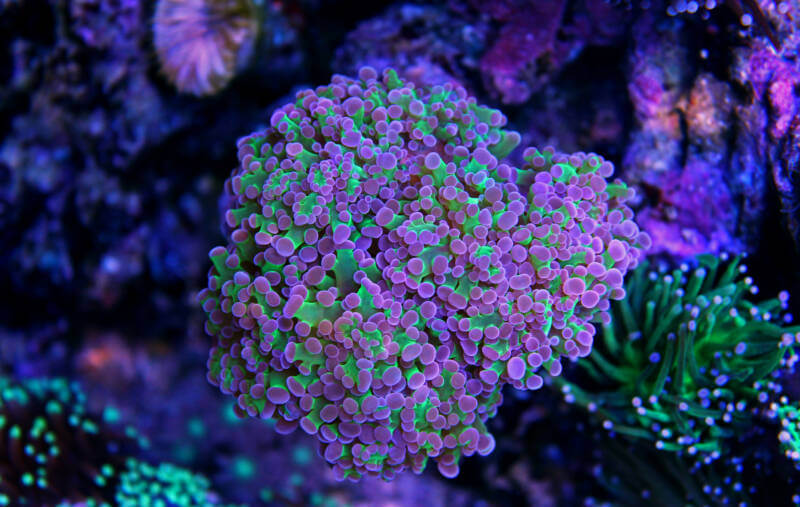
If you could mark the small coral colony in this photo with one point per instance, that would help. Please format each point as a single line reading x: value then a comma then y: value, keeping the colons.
x: 405, y: 274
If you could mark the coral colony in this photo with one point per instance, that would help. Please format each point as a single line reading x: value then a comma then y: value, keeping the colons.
x: 58, y: 452
x: 388, y: 271
x: 689, y: 365
x: 202, y: 43
x: 401, y: 294
x: 687, y: 360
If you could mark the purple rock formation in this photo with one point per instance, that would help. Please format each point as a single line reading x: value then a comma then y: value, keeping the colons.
x: 427, y: 45
x: 771, y: 77
x: 705, y: 185
x: 535, y: 39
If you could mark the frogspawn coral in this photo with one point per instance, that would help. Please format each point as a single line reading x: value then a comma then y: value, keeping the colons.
x: 387, y: 273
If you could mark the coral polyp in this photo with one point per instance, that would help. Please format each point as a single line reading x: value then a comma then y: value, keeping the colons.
x: 164, y: 484
x: 788, y: 414
x: 201, y: 44
x: 443, y: 253
x: 688, y: 360
x: 56, y: 452
x: 387, y: 272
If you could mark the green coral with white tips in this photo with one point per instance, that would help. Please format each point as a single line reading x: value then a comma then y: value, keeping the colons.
x: 688, y: 359
x: 788, y: 415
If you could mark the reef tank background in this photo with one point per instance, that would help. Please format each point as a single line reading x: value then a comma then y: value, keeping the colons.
x: 149, y: 355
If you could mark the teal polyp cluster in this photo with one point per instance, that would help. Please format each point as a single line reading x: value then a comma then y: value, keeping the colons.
x: 55, y: 452
x: 52, y: 447
x: 689, y: 361
x: 164, y: 484
x: 387, y: 272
